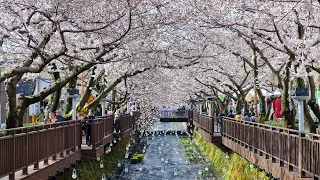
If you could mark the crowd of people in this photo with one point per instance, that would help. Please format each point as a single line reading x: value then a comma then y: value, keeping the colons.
x: 247, y: 116
x: 56, y: 116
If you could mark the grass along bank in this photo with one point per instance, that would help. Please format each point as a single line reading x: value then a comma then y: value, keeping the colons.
x: 195, y: 156
x: 230, y: 165
x: 96, y: 168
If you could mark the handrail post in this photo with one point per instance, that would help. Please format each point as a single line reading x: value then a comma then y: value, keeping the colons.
x: 54, y: 157
x: 273, y: 160
x: 260, y: 142
x: 300, y: 162
x: 290, y: 167
x: 13, y: 166
x: 265, y: 142
x: 212, y: 128
x: 46, y: 161
x: 80, y: 134
x: 93, y: 134
x: 254, y: 135
x: 63, y: 139
x: 36, y: 165
x: 69, y: 138
x: 104, y: 126
x: 281, y: 164
x: 25, y: 170
x: 313, y: 169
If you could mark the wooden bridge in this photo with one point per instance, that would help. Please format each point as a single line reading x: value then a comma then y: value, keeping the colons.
x: 35, y: 152
x: 285, y: 153
x: 173, y: 115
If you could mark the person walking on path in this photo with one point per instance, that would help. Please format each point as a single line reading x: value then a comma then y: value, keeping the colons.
x: 87, y: 127
x: 230, y: 115
x: 59, y: 117
x: 51, y: 119
x: 246, y: 117
x: 238, y: 116
x: 220, y: 115
x: 117, y: 121
x: 254, y: 118
x: 98, y: 112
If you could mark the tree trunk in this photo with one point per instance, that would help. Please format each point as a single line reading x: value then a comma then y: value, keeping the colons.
x: 88, y: 90
x: 11, y: 87
x: 72, y: 84
x: 20, y: 111
x: 287, y: 114
x: 226, y: 104
x: 269, y: 109
x: 245, y: 103
x: 113, y: 105
x: 262, y: 104
x: 239, y: 105
x: 309, y: 123
x: 312, y: 102
x: 56, y: 95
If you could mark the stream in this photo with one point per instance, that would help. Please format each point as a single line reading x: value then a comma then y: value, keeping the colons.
x: 165, y: 158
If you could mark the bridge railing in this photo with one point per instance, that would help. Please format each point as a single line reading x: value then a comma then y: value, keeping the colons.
x: 173, y: 114
x: 290, y: 148
x: 195, y: 116
x: 23, y: 147
x: 101, y: 127
x: 27, y: 146
x: 209, y: 127
x: 126, y: 124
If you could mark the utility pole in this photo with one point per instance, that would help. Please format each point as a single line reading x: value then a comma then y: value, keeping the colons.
x: 82, y: 84
x: 255, y: 104
x: 74, y: 94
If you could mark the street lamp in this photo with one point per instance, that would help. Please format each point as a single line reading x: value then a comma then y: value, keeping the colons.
x: 74, y: 94
x: 210, y: 104
x: 300, y: 94
x: 103, y: 105
x: 199, y: 105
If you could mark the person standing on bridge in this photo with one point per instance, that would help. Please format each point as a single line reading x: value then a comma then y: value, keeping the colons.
x: 87, y: 127
x: 254, y: 118
x: 98, y: 112
x: 220, y: 115
x: 238, y: 116
x: 51, y: 119
x: 117, y: 121
x: 230, y: 115
x: 58, y: 116
x: 246, y: 117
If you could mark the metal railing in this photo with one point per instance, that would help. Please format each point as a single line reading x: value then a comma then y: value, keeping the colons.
x: 173, y: 114
x: 290, y: 148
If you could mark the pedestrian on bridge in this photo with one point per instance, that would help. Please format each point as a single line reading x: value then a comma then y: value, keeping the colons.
x: 98, y: 112
x: 238, y: 116
x: 87, y: 127
x: 220, y: 115
x: 254, y: 118
x: 230, y: 115
x: 246, y: 117
x: 117, y: 121
x: 59, y: 117
x: 52, y: 118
